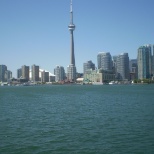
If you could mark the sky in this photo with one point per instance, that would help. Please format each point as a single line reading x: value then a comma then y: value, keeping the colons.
x: 36, y: 31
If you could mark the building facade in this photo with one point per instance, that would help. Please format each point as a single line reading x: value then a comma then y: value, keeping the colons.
x: 99, y: 76
x: 35, y: 73
x: 44, y: 76
x: 59, y: 73
x: 71, y: 73
x: 25, y: 72
x: 104, y: 61
x: 88, y: 65
x: 3, y: 69
x: 19, y: 73
x: 144, y: 60
x: 8, y: 75
x: 122, y: 64
x: 133, y: 69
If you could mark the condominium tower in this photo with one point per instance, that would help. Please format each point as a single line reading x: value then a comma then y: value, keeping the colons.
x: 104, y: 61
x: 3, y: 69
x: 144, y: 60
x: 25, y: 72
x: 59, y: 73
x: 71, y: 69
x: 122, y: 66
x: 19, y: 73
x: 35, y: 73
x: 44, y: 76
x: 88, y: 65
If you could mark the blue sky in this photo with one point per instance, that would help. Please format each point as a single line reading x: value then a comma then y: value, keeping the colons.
x: 36, y: 31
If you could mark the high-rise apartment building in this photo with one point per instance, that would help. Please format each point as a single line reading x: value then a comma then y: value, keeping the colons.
x: 71, y: 73
x: 122, y: 65
x: 132, y: 64
x: 19, y: 73
x: 144, y: 60
x: 8, y: 75
x: 3, y: 69
x: 114, y: 64
x: 25, y: 72
x: 104, y: 61
x: 71, y: 69
x: 35, y: 73
x: 133, y: 69
x: 88, y: 65
x: 59, y: 73
x: 44, y: 76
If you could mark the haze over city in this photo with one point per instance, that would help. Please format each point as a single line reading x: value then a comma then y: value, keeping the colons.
x: 36, y: 32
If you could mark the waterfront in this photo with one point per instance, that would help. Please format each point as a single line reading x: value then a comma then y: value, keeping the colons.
x: 68, y: 119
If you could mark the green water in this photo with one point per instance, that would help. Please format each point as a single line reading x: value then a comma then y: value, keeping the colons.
x: 117, y: 119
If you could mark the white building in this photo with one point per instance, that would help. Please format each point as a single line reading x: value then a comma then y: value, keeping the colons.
x: 59, y: 73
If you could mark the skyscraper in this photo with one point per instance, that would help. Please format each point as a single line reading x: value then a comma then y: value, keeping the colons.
x: 123, y: 66
x: 144, y: 60
x: 104, y: 61
x: 44, y: 76
x: 133, y: 69
x: 19, y: 73
x: 71, y: 69
x: 8, y: 75
x: 59, y: 73
x: 88, y: 65
x: 25, y: 72
x: 3, y: 69
x: 35, y: 73
x: 114, y: 64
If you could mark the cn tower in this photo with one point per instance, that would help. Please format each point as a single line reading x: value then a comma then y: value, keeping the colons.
x: 71, y: 28
x: 71, y: 69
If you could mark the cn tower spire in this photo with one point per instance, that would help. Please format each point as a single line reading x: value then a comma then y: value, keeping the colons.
x: 71, y: 69
x: 71, y: 28
x: 71, y: 12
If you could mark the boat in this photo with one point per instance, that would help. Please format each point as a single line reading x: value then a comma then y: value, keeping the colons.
x: 112, y: 83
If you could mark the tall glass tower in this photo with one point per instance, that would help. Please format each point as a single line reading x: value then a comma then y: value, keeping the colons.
x: 3, y: 69
x: 71, y: 69
x: 104, y: 61
x: 123, y: 66
x: 144, y: 60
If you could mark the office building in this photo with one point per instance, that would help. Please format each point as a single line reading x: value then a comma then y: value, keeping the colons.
x: 71, y: 69
x: 133, y: 69
x: 122, y: 64
x: 59, y: 73
x: 35, y: 73
x: 144, y: 60
x: 104, y: 61
x: 114, y: 64
x: 8, y: 75
x: 98, y: 76
x: 88, y: 65
x: 71, y: 73
x: 25, y: 72
x: 3, y: 69
x: 44, y: 76
x: 19, y: 73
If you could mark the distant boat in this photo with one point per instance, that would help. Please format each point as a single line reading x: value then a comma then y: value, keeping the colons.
x: 112, y: 83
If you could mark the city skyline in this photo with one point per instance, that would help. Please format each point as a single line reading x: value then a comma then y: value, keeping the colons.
x: 35, y: 32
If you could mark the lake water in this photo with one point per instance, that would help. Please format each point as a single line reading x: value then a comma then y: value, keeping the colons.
x: 75, y: 119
